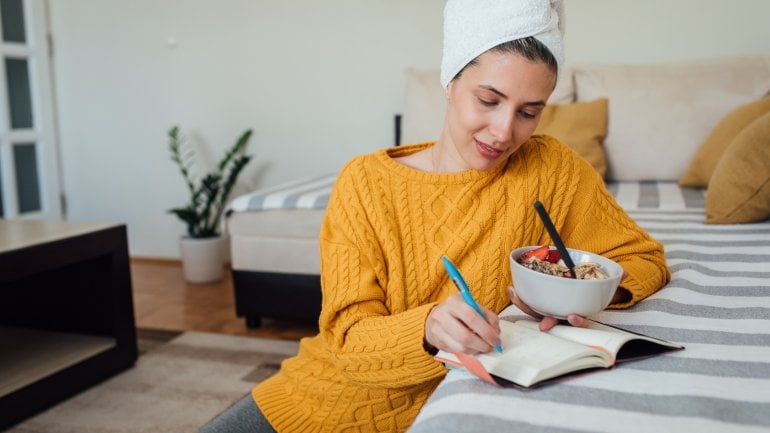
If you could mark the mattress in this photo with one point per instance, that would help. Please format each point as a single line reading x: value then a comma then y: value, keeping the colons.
x: 717, y: 305
x: 276, y: 229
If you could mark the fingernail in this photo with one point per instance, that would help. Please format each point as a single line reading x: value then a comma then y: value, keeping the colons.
x: 498, y: 342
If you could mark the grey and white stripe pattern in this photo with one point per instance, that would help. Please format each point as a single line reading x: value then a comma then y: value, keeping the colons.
x: 656, y: 195
x: 313, y: 193
x: 717, y: 305
x: 306, y: 193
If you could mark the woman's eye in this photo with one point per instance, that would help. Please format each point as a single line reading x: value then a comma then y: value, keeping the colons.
x: 527, y: 115
x: 486, y: 102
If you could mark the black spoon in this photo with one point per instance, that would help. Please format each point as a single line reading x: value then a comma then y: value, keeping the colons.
x: 555, y: 236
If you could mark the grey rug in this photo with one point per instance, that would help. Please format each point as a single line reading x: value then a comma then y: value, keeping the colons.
x: 177, y: 385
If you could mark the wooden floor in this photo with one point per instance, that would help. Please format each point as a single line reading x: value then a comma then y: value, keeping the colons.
x: 164, y: 301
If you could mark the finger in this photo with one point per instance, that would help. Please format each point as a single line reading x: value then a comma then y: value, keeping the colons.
x: 460, y: 341
x: 447, y: 328
x: 492, y: 319
x: 494, y: 338
x: 547, y: 323
x: 486, y: 327
x: 521, y: 305
x: 459, y: 338
x: 577, y: 321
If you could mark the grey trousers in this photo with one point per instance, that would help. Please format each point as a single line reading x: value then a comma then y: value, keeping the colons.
x: 242, y: 417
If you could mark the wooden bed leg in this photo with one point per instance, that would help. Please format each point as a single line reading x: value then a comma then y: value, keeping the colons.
x: 253, y: 321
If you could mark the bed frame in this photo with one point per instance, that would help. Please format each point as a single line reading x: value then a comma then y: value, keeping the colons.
x: 271, y: 299
x: 280, y: 295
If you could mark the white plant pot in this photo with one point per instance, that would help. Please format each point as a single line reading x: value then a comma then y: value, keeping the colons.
x: 203, y: 259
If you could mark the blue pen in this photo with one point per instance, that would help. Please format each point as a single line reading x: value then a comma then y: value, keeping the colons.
x: 457, y: 278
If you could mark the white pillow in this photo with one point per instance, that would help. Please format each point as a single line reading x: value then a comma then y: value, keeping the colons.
x: 425, y: 103
x: 659, y: 114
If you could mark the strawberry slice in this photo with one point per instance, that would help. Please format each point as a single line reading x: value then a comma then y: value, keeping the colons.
x: 540, y: 253
x: 553, y: 256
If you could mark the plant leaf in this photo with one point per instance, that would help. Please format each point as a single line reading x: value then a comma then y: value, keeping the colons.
x: 209, y: 193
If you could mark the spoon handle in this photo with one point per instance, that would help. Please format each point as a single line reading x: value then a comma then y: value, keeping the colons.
x: 555, y: 236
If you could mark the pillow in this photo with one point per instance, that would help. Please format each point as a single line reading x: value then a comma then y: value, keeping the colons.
x: 739, y: 189
x: 660, y: 113
x: 425, y: 103
x: 706, y: 158
x: 581, y: 126
x: 424, y: 107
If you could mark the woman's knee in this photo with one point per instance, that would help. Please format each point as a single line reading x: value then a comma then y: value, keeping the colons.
x: 242, y: 417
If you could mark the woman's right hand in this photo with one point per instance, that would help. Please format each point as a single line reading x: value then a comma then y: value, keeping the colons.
x: 454, y: 326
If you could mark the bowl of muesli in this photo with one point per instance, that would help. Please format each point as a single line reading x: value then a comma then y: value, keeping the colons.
x: 544, y: 282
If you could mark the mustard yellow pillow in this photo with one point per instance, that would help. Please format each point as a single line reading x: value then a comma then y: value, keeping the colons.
x: 708, y: 154
x: 739, y: 190
x: 581, y: 126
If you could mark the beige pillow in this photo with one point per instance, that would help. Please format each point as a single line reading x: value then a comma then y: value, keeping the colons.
x: 739, y: 189
x: 424, y: 107
x: 660, y: 113
x: 425, y: 103
x: 706, y: 158
x: 581, y: 126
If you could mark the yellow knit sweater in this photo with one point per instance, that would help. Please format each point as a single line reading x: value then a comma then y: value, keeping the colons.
x: 385, y: 230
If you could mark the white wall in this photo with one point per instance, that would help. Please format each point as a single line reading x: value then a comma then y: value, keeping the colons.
x: 646, y: 31
x: 318, y: 81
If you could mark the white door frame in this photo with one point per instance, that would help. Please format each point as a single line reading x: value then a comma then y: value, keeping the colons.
x: 36, y: 50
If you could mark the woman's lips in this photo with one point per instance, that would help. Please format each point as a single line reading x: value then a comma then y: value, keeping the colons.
x: 487, y: 151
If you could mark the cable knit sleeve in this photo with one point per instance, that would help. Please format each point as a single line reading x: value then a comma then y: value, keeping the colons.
x: 590, y: 219
x: 618, y: 237
x: 370, y: 344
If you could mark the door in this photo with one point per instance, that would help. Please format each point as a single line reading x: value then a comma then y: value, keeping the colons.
x: 29, y: 174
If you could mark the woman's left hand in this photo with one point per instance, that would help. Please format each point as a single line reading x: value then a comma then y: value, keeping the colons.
x: 546, y: 322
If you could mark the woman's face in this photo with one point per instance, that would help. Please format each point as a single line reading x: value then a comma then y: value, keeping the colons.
x: 493, y: 107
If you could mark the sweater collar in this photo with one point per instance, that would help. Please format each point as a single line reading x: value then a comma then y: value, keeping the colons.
x: 385, y: 158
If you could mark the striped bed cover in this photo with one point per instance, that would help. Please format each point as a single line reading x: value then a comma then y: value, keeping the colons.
x: 304, y: 193
x: 717, y: 305
x: 313, y: 193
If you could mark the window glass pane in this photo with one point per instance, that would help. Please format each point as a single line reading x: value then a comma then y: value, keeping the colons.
x: 13, y: 20
x: 27, y: 181
x: 19, y: 96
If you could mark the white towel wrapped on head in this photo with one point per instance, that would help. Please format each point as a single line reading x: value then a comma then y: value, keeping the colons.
x: 471, y: 27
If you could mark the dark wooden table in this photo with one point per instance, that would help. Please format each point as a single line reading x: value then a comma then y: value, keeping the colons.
x: 66, y: 312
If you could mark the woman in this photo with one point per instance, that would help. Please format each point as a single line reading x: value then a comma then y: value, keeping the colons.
x: 387, y: 303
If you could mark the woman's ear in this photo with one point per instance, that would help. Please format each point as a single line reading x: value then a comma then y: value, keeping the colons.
x: 448, y: 90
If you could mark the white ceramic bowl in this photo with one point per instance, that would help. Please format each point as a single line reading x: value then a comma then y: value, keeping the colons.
x: 557, y: 296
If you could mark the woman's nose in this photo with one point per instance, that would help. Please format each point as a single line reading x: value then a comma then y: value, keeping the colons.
x: 502, y: 127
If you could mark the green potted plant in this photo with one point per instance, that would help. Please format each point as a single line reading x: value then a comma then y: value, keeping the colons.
x: 202, y: 248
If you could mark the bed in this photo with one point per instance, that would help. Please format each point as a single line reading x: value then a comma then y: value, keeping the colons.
x: 274, y: 250
x: 274, y: 232
x: 717, y: 305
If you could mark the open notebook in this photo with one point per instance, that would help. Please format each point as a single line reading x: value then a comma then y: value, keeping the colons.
x: 531, y: 357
